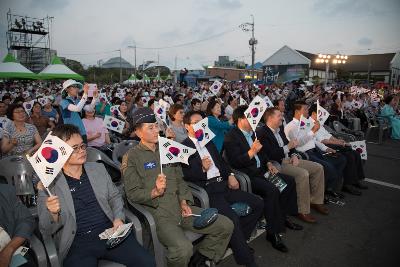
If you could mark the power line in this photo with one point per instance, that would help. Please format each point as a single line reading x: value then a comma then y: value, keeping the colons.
x: 156, y: 48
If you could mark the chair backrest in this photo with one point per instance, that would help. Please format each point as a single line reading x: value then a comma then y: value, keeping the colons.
x: 95, y: 155
x: 121, y: 148
x: 18, y: 172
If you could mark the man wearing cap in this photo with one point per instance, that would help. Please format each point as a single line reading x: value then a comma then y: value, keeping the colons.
x: 167, y: 197
x: 71, y: 107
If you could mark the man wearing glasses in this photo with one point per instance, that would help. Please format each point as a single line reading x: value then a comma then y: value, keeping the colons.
x: 84, y: 203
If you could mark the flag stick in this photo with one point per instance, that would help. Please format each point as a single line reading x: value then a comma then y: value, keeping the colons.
x: 48, y: 191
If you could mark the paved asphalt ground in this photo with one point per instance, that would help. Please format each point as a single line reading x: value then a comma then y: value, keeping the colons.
x: 364, y: 232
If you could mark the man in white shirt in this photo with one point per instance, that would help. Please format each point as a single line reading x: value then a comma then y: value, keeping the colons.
x: 332, y: 162
x: 309, y: 176
x: 353, y: 172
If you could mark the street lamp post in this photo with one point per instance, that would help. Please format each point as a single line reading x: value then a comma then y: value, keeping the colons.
x: 134, y: 50
x: 330, y: 59
x: 252, y: 42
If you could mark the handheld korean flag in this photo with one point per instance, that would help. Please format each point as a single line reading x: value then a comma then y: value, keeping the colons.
x: 115, y: 110
x: 120, y: 95
x: 255, y: 111
x: 145, y: 100
x: 160, y: 109
x: 322, y: 114
x: 113, y: 124
x: 103, y: 98
x: 43, y: 101
x: 242, y: 102
x: 28, y: 106
x: 268, y: 102
x: 50, y: 158
x: 4, y: 121
x: 202, y: 132
x: 302, y: 124
x: 215, y: 87
x: 173, y: 152
x: 25, y: 94
x: 360, y: 147
x: 169, y: 99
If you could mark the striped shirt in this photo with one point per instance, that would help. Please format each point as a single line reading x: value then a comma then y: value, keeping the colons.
x: 90, y: 217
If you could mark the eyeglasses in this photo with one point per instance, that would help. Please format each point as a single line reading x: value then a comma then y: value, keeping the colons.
x: 78, y: 148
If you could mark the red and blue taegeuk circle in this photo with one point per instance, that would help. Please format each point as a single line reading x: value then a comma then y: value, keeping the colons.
x: 50, y: 154
x: 114, y: 124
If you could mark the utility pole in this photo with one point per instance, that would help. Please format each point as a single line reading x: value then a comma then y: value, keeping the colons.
x: 120, y: 66
x: 252, y: 42
x: 135, y: 58
x: 134, y: 51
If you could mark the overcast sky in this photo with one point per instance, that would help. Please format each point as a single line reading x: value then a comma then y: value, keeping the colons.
x: 86, y: 30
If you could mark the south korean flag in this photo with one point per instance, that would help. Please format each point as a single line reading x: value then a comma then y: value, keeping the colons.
x: 255, y: 111
x: 25, y: 94
x: 113, y: 124
x: 28, y: 106
x: 268, y: 102
x: 50, y: 158
x: 43, y: 101
x: 115, y: 111
x: 160, y: 109
x: 103, y: 98
x: 215, y: 87
x: 202, y: 133
x: 360, y: 147
x: 242, y: 102
x: 145, y: 100
x: 173, y: 152
x: 4, y: 121
x: 322, y: 114
x: 120, y: 95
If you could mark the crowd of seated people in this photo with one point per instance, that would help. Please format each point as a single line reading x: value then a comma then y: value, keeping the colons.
x: 315, y: 166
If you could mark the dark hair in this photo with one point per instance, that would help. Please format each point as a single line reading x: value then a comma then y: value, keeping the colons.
x: 6, y: 97
x: 194, y: 101
x: 312, y: 109
x: 211, y: 104
x: 388, y: 99
x: 298, y: 105
x: 238, y: 113
x: 230, y: 99
x: 11, y: 108
x: 151, y: 102
x: 173, y: 110
x: 65, y: 131
x: 137, y: 98
x: 276, y: 101
x: 188, y: 116
x: 269, y: 112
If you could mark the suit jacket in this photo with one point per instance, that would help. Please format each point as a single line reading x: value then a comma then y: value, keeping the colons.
x: 194, y: 171
x: 270, y: 144
x: 64, y: 230
x: 236, y: 152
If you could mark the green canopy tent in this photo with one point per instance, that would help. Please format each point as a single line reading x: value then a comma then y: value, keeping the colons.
x: 158, y: 77
x: 146, y: 78
x: 11, y: 69
x: 57, y: 70
x: 132, y: 79
x: 169, y: 77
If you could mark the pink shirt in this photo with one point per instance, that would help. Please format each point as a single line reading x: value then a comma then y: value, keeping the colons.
x: 95, y: 126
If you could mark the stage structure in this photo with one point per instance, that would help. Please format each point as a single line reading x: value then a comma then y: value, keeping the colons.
x: 29, y: 39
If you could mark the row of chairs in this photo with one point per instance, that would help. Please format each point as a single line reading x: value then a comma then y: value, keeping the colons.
x: 18, y: 172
